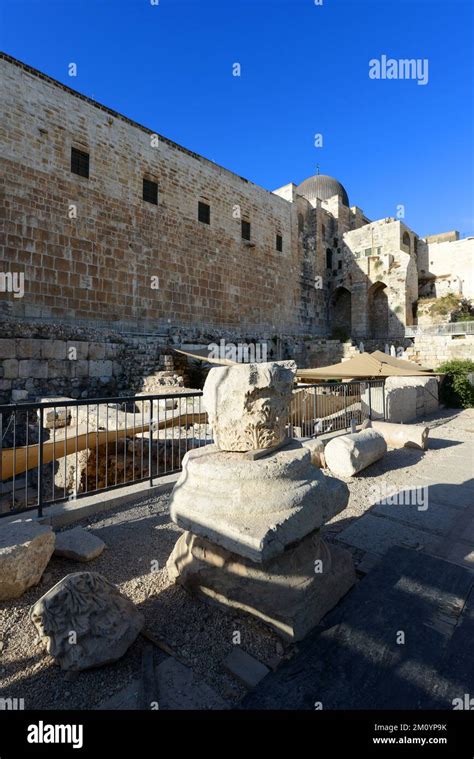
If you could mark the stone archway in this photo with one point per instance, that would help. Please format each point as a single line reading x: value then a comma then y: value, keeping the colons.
x: 341, y: 311
x: 378, y: 310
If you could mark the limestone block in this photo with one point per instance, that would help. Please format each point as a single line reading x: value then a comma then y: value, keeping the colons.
x: 10, y: 368
x: 96, y: 351
x: 409, y: 397
x: 403, y: 435
x: 78, y: 544
x: 19, y: 395
x: 58, y: 416
x: 254, y: 508
x: 248, y: 404
x: 25, y: 550
x: 291, y: 592
x: 348, y: 454
x: 33, y: 368
x: 54, y: 349
x: 316, y: 448
x: 100, y: 368
x: 104, y: 621
x: 7, y: 348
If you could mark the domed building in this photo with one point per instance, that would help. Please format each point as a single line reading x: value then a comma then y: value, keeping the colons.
x: 322, y: 187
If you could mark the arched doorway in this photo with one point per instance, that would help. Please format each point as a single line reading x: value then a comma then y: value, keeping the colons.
x: 378, y: 310
x: 341, y: 317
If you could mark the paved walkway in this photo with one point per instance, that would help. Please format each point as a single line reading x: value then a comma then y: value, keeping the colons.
x: 433, y: 505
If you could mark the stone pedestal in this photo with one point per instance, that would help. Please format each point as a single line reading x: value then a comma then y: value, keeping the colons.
x: 291, y: 592
x: 252, y: 516
x: 255, y: 508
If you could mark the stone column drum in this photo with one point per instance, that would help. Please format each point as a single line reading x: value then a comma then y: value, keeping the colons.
x: 252, y: 505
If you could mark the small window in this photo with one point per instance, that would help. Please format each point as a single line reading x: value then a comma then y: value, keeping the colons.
x: 245, y: 230
x: 80, y: 162
x: 339, y: 264
x: 150, y: 191
x: 328, y: 258
x: 204, y: 212
x: 300, y: 222
x: 279, y: 243
x: 335, y: 242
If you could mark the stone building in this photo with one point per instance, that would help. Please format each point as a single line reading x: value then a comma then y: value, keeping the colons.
x: 117, y: 241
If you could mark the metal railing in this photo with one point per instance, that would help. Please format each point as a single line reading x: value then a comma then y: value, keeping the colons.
x: 62, y: 450
x: 331, y: 406
x: 452, y: 328
x: 59, y: 450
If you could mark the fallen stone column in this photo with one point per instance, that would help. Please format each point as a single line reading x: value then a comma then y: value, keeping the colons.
x: 403, y: 435
x: 349, y: 454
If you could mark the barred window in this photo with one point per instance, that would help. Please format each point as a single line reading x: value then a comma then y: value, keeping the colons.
x: 80, y: 162
x: 204, y: 212
x: 150, y: 191
x: 279, y: 243
x: 245, y: 230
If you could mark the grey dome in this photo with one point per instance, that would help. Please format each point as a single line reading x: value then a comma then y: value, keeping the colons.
x: 323, y: 187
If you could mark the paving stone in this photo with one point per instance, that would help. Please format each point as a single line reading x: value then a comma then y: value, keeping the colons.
x: 378, y: 534
x: 437, y: 517
x: 461, y: 553
x: 245, y: 668
x: 180, y: 688
x: 78, y: 544
x: 353, y: 660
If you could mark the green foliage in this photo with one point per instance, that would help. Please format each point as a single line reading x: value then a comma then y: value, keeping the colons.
x: 456, y: 390
x: 445, y: 305
x: 464, y: 311
x: 339, y: 333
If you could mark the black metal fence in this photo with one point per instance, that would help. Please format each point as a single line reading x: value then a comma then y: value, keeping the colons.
x: 65, y: 449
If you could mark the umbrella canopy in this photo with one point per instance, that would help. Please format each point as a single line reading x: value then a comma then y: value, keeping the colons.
x: 363, y: 366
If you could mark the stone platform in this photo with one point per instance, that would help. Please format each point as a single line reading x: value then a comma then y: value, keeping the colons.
x: 291, y: 593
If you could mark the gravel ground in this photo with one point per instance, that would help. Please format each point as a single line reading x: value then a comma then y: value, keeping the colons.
x: 137, y: 537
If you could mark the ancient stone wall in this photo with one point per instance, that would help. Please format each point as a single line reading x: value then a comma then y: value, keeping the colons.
x: 93, y: 251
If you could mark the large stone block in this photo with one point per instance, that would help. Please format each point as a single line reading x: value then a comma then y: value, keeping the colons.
x: 100, y: 368
x: 248, y: 404
x: 348, y: 454
x: 33, y: 368
x: 54, y: 349
x: 25, y: 550
x: 85, y: 621
x: 7, y: 348
x: 254, y: 507
x: 291, y: 592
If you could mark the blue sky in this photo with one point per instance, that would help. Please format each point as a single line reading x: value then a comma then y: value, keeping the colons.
x: 304, y: 71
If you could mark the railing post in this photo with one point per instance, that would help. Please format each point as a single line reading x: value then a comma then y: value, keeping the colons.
x: 40, y: 463
x: 383, y: 398
x: 150, y: 444
x: 370, y: 400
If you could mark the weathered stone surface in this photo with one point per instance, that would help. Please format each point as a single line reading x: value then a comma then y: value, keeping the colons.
x: 105, y: 622
x: 403, y: 435
x: 348, y: 454
x: 291, y: 592
x: 316, y: 448
x: 78, y: 544
x: 58, y: 416
x: 407, y: 398
x: 248, y: 404
x: 254, y: 508
x: 25, y: 550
